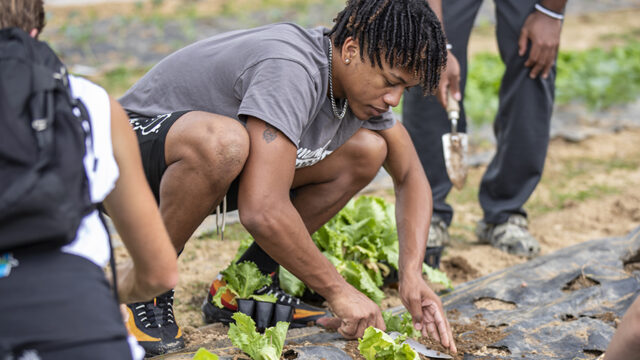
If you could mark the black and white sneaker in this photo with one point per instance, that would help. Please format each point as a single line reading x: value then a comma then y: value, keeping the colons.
x: 153, y: 324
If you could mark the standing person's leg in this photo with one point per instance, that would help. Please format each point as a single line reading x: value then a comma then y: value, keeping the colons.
x: 426, y: 120
x: 521, y: 127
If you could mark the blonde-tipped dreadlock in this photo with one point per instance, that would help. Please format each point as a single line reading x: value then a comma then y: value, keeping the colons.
x: 405, y: 33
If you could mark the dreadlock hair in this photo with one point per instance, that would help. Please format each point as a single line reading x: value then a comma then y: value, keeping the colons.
x: 405, y: 33
x: 23, y: 14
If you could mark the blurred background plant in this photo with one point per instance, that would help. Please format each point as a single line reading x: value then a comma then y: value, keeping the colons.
x: 597, y: 78
x: 115, y: 42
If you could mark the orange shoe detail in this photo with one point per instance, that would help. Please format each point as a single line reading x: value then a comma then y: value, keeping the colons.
x: 228, y: 298
x: 133, y: 329
x: 301, y: 313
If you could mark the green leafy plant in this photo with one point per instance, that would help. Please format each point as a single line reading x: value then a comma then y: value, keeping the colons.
x: 293, y: 285
x: 267, y: 346
x: 378, y: 345
x: 597, y: 78
x: 402, y: 324
x: 243, y: 279
x: 204, y: 354
x: 362, y: 243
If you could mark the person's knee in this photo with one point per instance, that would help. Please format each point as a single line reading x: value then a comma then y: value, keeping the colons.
x: 366, y: 153
x: 215, y: 145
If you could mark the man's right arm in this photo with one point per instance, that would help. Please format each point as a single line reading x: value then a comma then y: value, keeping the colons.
x: 268, y: 214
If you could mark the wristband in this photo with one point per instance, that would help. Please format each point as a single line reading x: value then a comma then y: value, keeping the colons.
x: 548, y: 12
x: 449, y: 46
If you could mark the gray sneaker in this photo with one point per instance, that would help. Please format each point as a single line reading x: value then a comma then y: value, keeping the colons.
x: 438, y: 232
x: 511, y: 236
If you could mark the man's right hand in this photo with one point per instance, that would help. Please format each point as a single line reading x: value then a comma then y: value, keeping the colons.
x: 449, y: 81
x: 355, y: 312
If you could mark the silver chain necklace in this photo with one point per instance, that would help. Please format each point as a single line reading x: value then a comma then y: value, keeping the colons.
x: 333, y: 100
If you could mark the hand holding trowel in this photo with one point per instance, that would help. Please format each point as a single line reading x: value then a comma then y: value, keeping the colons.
x: 455, y: 146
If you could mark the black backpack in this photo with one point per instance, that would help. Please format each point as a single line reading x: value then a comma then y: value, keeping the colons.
x: 44, y: 192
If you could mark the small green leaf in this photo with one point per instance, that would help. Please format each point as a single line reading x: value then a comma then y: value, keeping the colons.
x: 204, y: 354
x: 264, y: 297
x: 436, y: 276
x: 402, y: 324
x: 290, y: 283
x: 217, y: 298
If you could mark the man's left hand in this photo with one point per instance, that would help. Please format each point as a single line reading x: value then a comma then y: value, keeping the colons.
x: 426, y: 310
x: 544, y: 34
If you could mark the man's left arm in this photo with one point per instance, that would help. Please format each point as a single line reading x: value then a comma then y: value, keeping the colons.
x: 413, y: 216
x: 542, y: 28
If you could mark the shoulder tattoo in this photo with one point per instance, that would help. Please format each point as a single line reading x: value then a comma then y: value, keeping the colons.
x: 270, y: 134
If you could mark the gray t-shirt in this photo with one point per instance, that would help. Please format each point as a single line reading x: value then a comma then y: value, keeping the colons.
x: 277, y: 73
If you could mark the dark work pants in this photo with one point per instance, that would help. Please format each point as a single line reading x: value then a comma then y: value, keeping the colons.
x: 521, y: 125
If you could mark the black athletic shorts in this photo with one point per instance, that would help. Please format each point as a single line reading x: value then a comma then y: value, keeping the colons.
x: 59, y: 306
x: 151, y: 133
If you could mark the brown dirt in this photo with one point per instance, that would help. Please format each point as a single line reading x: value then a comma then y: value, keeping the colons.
x: 580, y: 282
x: 472, y: 336
x: 458, y: 269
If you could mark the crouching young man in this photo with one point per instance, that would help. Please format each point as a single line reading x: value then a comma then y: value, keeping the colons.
x: 286, y: 124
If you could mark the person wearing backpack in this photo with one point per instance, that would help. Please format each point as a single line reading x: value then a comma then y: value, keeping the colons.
x: 55, y: 300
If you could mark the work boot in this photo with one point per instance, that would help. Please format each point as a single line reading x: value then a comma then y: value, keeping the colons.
x: 303, y: 314
x: 511, y: 236
x: 152, y: 323
x: 438, y: 238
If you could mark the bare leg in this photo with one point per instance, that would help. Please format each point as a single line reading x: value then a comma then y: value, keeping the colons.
x: 326, y: 187
x: 205, y: 153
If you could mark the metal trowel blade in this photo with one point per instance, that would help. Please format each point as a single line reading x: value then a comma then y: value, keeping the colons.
x: 420, y: 348
x: 455, y: 147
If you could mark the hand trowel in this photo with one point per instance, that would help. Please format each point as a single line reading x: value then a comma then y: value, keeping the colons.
x: 420, y: 348
x: 455, y: 146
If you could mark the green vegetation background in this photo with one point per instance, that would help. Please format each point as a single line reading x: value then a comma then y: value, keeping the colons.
x: 597, y: 78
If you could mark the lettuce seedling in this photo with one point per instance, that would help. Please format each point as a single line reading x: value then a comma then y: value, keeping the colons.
x: 402, y: 324
x: 243, y: 279
x: 378, y: 345
x: 267, y: 346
